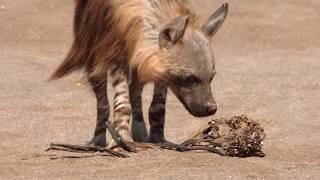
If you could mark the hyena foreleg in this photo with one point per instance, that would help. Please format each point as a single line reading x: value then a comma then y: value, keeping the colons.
x: 157, y: 112
x: 99, y: 87
x: 138, y: 126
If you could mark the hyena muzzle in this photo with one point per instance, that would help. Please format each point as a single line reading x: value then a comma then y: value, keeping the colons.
x: 139, y: 41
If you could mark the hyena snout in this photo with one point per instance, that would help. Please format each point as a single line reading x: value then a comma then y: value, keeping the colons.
x: 203, y: 109
x: 211, y: 108
x: 198, y: 101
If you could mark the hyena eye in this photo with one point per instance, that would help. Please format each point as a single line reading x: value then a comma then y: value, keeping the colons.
x: 191, y: 79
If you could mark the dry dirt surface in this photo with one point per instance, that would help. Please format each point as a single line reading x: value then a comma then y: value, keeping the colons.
x: 268, y: 63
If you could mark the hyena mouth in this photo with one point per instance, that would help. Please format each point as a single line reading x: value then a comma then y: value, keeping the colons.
x: 203, y: 110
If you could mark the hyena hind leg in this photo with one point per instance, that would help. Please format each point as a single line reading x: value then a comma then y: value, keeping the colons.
x: 122, y: 110
x: 99, y: 87
x: 138, y: 126
x: 121, y: 104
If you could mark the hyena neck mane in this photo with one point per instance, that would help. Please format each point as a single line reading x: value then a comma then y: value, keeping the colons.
x: 156, y: 14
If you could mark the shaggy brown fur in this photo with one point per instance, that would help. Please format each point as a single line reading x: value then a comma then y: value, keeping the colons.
x: 119, y: 30
x: 141, y: 41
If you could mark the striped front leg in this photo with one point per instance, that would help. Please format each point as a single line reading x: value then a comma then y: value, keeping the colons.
x: 157, y: 114
x: 138, y: 127
x: 121, y: 104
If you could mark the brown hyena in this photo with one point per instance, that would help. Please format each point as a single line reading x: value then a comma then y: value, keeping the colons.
x: 140, y: 41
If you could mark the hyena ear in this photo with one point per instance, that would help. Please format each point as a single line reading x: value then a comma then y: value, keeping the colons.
x: 173, y: 31
x: 215, y: 21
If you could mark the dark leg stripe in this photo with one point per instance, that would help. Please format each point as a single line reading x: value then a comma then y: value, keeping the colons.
x: 157, y: 109
x: 122, y: 128
x: 121, y: 104
x: 118, y: 81
x: 120, y: 93
x: 157, y: 113
x: 123, y: 111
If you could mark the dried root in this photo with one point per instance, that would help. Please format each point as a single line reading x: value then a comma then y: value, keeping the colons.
x: 239, y: 136
x: 85, y: 149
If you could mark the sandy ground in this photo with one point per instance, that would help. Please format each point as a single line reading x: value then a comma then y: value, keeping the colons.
x: 268, y: 67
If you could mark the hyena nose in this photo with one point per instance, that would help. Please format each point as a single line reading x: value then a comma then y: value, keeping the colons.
x: 211, y: 109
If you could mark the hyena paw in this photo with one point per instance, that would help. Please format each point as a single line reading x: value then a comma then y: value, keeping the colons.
x: 99, y: 140
x: 156, y: 138
x: 137, y: 137
x: 159, y: 140
x: 139, y: 134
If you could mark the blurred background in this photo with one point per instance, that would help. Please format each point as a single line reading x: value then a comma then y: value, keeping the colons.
x: 267, y: 59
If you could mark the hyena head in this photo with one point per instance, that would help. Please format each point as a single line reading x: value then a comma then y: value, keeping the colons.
x: 190, y: 62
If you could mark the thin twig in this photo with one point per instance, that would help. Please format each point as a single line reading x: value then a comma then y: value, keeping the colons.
x: 76, y: 157
x: 85, y: 149
x: 118, y: 139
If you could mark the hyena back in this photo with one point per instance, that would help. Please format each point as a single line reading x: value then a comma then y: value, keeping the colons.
x: 141, y: 41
